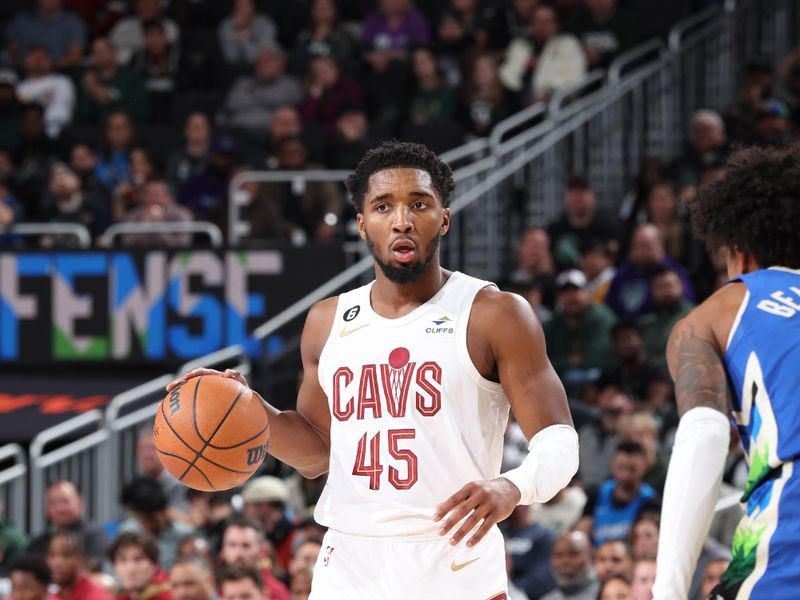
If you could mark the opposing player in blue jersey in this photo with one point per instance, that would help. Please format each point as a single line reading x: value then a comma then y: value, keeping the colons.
x: 739, y: 353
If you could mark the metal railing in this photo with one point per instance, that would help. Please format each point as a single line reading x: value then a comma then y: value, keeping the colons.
x: 238, y: 198
x: 127, y: 415
x: 72, y: 450
x: 76, y: 230
x: 232, y: 357
x: 13, y: 485
x: 529, y: 117
x: 213, y: 232
x: 690, y: 24
x: 131, y: 412
x: 627, y: 62
x: 466, y: 153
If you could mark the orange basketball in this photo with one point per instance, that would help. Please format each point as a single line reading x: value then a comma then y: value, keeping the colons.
x: 211, y: 433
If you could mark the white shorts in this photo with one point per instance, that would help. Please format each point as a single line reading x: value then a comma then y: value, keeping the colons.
x: 367, y: 568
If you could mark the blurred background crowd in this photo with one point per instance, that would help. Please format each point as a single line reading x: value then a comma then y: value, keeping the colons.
x: 99, y: 98
x: 144, y: 111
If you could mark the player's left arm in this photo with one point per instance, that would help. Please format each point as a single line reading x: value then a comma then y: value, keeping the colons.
x: 514, y: 343
x: 694, y: 356
x: 516, y: 338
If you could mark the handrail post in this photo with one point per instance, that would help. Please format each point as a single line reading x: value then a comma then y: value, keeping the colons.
x: 38, y: 455
x: 213, y: 232
x: 80, y: 232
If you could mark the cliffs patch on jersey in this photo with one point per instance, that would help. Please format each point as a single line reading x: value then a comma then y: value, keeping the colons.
x: 383, y: 390
x: 443, y: 324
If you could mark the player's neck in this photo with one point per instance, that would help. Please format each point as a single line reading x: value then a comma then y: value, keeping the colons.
x: 393, y: 300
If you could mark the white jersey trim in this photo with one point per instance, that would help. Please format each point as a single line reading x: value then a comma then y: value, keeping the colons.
x: 323, y: 355
x: 414, y: 314
x: 738, y: 319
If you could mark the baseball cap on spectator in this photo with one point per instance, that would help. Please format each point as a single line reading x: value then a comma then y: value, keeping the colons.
x: 772, y: 107
x: 571, y: 278
x: 8, y: 77
x: 266, y: 489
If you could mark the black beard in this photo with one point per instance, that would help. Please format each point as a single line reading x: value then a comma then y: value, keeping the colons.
x: 409, y: 273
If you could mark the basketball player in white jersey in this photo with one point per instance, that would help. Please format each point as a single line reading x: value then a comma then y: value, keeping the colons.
x: 404, y: 402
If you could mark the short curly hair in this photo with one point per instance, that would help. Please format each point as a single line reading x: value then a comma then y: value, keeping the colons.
x: 755, y: 208
x: 394, y: 154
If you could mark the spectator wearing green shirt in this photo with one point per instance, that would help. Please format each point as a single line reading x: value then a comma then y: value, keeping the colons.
x: 670, y: 306
x: 12, y: 544
x: 579, y: 335
x: 432, y: 100
x: 106, y: 87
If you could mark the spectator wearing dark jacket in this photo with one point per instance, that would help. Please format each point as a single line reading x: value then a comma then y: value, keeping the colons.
x: 578, y: 336
x: 106, y: 87
x: 328, y: 93
x: 64, y: 507
x: 630, y: 294
x: 606, y: 31
x: 580, y: 222
x: 60, y: 30
x: 529, y: 546
x: 253, y: 98
x: 67, y: 202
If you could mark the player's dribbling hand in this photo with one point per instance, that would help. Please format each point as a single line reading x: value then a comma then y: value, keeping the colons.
x: 490, y: 501
x: 231, y: 374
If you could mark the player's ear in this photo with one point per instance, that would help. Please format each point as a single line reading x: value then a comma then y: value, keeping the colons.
x: 445, y: 222
x: 360, y: 221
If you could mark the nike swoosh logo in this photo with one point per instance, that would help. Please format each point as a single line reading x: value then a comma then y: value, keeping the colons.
x: 346, y: 332
x: 455, y: 567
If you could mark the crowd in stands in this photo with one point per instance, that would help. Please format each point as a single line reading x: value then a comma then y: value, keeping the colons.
x: 104, y: 95
x: 171, y: 543
x: 87, y: 112
x: 609, y: 284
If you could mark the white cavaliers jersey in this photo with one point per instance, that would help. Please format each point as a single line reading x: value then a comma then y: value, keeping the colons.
x: 412, y: 419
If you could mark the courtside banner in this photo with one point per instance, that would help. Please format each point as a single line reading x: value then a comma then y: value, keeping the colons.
x: 146, y: 306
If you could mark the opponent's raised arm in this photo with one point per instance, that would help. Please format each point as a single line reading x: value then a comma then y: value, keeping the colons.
x: 698, y: 456
x: 514, y: 340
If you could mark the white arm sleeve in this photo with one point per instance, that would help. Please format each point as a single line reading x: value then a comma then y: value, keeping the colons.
x: 690, y: 494
x: 551, y: 463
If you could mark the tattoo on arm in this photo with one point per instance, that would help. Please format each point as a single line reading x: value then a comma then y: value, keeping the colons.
x: 697, y: 369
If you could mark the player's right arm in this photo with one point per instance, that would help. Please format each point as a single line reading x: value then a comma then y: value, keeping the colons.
x: 301, y: 437
x: 694, y: 355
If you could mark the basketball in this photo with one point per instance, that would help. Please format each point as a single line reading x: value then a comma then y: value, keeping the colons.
x: 211, y: 433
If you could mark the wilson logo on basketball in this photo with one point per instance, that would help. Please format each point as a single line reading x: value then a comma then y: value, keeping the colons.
x: 387, y: 387
x: 175, y: 401
x: 256, y: 455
